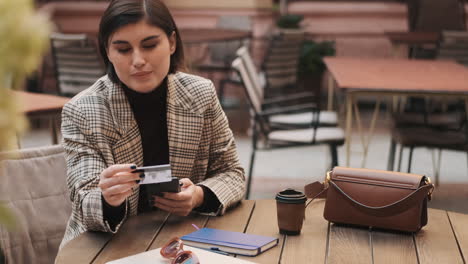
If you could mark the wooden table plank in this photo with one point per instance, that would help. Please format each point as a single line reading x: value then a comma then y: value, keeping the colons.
x: 312, y: 242
x: 235, y: 219
x: 391, y: 247
x: 83, y: 249
x: 177, y: 226
x: 349, y: 245
x: 264, y: 222
x: 134, y: 236
x: 460, y: 228
x: 436, y: 242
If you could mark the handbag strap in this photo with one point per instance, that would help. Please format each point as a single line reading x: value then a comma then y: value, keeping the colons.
x: 319, y: 190
x: 399, y: 205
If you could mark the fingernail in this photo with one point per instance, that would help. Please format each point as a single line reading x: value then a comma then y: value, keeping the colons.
x: 142, y: 175
x: 133, y: 167
x: 137, y: 181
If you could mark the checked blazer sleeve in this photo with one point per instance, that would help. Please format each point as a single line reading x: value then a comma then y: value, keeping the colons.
x: 225, y: 175
x: 85, y: 162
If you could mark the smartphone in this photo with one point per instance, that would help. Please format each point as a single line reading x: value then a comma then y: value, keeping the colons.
x: 157, y: 189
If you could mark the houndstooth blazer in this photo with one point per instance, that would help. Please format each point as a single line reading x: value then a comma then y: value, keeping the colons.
x: 99, y: 130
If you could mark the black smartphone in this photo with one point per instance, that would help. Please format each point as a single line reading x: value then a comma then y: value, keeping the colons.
x: 157, y: 189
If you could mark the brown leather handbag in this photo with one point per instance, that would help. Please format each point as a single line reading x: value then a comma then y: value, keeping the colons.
x: 374, y: 198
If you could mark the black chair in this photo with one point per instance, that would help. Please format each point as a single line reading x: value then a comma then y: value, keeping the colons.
x: 280, y: 65
x: 434, y: 128
x: 298, y: 120
x: 453, y: 46
x: 434, y: 16
x: 76, y: 62
x: 262, y: 129
x: 222, y: 53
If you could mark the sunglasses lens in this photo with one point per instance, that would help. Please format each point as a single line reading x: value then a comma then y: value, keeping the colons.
x: 186, y: 258
x: 172, y: 248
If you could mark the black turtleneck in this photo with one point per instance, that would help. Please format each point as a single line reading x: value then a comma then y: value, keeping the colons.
x: 150, y: 112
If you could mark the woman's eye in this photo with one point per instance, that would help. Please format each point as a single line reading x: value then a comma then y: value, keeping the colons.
x: 123, y: 50
x: 149, y: 46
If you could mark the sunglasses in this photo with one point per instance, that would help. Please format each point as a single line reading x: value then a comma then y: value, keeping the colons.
x: 174, y: 249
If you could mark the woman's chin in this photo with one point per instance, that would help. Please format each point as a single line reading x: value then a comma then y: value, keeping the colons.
x: 143, y: 87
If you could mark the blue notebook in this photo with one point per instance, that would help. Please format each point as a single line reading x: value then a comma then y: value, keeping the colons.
x: 230, y: 242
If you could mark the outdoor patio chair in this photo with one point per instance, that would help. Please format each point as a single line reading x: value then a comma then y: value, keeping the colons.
x: 222, y: 53
x: 76, y: 62
x: 280, y: 65
x: 454, y: 46
x: 262, y: 129
x: 33, y: 187
x: 435, y: 16
x: 301, y: 119
x: 432, y: 129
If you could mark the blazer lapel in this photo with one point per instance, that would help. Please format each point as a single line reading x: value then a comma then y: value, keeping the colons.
x: 184, y: 126
x: 127, y: 147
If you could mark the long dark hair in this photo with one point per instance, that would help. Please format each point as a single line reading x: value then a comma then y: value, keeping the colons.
x: 123, y: 12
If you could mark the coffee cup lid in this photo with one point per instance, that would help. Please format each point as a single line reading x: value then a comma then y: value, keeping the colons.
x: 291, y: 195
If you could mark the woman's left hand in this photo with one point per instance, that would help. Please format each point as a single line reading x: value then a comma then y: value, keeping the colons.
x: 181, y: 203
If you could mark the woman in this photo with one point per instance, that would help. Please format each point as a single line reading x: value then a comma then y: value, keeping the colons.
x: 145, y: 112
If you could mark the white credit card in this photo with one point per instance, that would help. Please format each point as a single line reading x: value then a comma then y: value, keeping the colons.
x: 156, y: 174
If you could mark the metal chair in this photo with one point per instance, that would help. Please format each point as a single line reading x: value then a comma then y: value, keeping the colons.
x: 283, y: 138
x: 280, y: 66
x: 221, y: 54
x: 303, y: 119
x: 435, y: 16
x: 432, y: 129
x: 454, y: 46
x: 76, y: 61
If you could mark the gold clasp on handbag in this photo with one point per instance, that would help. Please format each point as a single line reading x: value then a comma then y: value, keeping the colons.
x: 327, y: 179
x: 428, y: 181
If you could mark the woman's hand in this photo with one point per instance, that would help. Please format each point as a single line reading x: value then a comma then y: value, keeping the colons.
x: 116, y: 183
x: 182, y: 203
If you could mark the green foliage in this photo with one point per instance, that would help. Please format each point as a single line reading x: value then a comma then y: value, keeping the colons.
x: 24, y: 34
x: 24, y: 39
x: 289, y: 21
x: 312, y: 53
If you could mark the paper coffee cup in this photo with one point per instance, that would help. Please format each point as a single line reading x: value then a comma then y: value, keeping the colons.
x: 290, y: 207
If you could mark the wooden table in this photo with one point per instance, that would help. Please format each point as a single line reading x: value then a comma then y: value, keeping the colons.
x: 36, y: 104
x: 443, y: 240
x: 411, y: 39
x: 382, y: 77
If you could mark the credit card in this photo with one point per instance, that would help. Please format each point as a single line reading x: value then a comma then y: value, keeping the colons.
x: 155, y: 174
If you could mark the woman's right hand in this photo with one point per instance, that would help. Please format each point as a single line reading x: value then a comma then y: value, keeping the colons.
x: 117, y: 183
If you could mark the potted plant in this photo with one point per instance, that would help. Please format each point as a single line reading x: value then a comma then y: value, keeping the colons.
x: 311, y: 65
x: 26, y: 34
x: 289, y: 21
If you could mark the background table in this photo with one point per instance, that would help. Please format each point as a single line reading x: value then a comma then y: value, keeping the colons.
x: 443, y: 240
x: 390, y: 77
x: 43, y: 105
x: 204, y: 35
x: 411, y: 39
